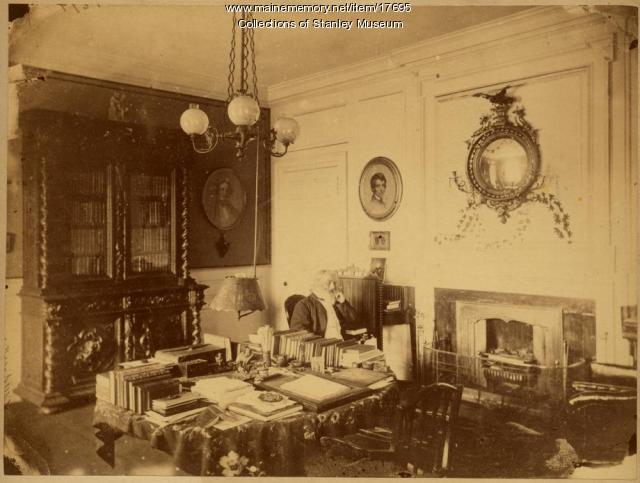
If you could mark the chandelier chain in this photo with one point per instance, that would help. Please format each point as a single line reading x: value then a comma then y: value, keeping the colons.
x: 253, y: 65
x: 245, y: 57
x: 232, y: 60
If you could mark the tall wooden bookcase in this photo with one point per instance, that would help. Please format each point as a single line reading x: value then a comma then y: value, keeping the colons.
x: 105, y: 253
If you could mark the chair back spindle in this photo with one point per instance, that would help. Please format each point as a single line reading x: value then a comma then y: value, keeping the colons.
x: 427, y: 424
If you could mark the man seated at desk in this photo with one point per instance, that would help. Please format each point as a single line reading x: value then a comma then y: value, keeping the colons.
x: 325, y: 311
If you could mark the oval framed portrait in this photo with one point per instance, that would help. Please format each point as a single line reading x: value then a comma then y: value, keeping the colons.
x: 380, y: 188
x: 223, y: 198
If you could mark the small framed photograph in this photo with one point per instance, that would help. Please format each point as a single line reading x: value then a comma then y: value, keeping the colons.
x: 379, y: 240
x: 377, y: 269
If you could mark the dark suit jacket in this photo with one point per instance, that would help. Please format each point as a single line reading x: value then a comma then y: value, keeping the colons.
x: 311, y: 315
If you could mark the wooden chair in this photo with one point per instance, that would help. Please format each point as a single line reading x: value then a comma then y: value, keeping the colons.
x: 290, y: 304
x: 421, y: 431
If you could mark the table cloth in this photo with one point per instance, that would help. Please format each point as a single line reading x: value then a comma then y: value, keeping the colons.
x: 275, y: 448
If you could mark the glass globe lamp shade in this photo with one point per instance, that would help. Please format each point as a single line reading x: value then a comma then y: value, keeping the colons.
x: 243, y: 111
x: 194, y: 121
x: 287, y: 130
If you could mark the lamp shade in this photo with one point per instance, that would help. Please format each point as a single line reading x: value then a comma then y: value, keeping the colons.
x: 287, y: 130
x: 239, y: 294
x: 243, y: 111
x: 194, y: 120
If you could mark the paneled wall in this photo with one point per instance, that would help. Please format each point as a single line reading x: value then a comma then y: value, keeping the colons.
x: 416, y: 106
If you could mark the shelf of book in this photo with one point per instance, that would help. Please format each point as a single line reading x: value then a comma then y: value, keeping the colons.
x: 87, y: 212
x: 150, y: 234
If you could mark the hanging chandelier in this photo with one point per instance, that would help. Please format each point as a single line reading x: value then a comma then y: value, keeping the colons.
x: 243, y: 108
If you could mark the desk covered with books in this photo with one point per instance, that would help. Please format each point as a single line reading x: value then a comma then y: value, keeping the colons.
x: 273, y: 448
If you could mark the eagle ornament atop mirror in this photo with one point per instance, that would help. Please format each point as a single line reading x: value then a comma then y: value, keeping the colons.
x: 503, y: 164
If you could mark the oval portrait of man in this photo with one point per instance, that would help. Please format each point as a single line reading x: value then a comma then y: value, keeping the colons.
x: 380, y: 188
x: 223, y: 198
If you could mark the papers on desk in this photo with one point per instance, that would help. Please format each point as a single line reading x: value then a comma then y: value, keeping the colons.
x: 315, y: 388
x: 225, y: 424
x: 222, y: 390
x: 257, y: 407
x: 214, y: 417
x: 158, y: 418
x: 364, y: 378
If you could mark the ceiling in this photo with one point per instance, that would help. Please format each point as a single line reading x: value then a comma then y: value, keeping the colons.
x: 187, y: 47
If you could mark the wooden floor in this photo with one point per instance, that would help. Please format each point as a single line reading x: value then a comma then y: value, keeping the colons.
x: 66, y: 443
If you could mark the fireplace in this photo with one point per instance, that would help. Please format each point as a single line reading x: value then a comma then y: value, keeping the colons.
x: 511, y: 345
x: 515, y: 344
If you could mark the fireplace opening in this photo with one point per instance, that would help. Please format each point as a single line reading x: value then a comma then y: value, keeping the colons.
x: 510, y: 338
x: 507, y: 352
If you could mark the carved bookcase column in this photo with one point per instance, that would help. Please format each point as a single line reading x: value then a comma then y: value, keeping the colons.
x: 44, y: 212
x: 128, y: 329
x: 196, y: 302
x: 52, y: 325
x: 118, y: 223
x: 184, y: 218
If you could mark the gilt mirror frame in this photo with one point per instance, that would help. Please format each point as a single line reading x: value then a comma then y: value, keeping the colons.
x: 499, y: 125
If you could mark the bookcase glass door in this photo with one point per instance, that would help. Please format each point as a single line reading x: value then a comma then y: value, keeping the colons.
x: 87, y: 216
x: 150, y: 199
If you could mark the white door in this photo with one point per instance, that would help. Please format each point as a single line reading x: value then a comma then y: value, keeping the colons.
x: 309, y: 230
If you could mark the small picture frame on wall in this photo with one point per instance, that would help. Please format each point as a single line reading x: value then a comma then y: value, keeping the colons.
x: 379, y: 240
x: 378, y: 268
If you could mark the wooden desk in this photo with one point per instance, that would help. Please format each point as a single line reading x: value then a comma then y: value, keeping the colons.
x: 277, y: 447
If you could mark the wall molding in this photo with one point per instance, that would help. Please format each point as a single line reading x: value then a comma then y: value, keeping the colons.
x: 514, y: 29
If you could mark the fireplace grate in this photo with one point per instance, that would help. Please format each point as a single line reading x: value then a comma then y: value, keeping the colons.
x: 511, y: 375
x: 494, y: 374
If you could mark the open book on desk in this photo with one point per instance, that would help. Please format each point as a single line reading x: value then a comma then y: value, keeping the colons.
x: 313, y: 387
x: 314, y: 392
x: 363, y: 377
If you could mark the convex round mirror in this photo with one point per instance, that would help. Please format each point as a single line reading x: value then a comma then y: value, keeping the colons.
x: 504, y: 163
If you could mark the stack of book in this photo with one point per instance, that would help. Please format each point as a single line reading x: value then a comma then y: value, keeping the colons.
x: 177, y: 355
x: 133, y: 385
x: 174, y: 408
x: 393, y: 305
x: 265, y: 406
x: 357, y: 354
x: 222, y: 390
x: 302, y: 345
